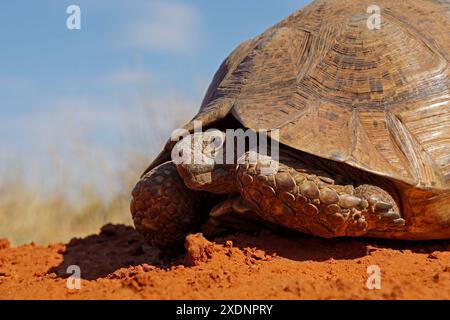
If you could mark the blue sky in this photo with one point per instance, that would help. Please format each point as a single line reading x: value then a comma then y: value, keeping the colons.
x: 129, y: 60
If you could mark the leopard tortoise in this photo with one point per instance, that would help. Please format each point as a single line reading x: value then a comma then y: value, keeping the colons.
x: 363, y: 116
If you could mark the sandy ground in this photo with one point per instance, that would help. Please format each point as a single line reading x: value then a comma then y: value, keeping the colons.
x: 116, y: 265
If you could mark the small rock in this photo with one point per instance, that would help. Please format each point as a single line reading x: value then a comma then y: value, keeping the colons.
x: 434, y: 256
x: 259, y: 255
x: 4, y: 244
x: 371, y: 249
x: 436, y: 278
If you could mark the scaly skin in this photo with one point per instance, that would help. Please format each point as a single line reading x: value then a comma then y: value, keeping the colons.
x: 308, y: 200
x: 164, y: 210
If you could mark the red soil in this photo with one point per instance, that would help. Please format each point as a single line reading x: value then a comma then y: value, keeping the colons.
x: 117, y: 265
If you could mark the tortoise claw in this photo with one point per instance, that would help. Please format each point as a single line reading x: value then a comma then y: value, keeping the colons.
x: 382, y: 206
x: 391, y: 215
x: 384, y: 214
x: 400, y: 222
x: 230, y: 206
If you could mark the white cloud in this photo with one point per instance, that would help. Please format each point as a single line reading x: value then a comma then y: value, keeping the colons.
x: 165, y: 26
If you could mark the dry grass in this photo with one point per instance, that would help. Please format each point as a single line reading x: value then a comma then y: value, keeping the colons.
x: 89, y: 189
x: 28, y: 214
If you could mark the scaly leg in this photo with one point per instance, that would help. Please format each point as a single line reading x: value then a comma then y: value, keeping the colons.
x: 299, y: 197
x: 164, y: 210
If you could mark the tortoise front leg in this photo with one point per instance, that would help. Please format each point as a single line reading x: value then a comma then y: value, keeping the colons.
x: 303, y: 198
x: 164, y: 210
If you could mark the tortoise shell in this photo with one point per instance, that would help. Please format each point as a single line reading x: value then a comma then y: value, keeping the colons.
x: 375, y: 99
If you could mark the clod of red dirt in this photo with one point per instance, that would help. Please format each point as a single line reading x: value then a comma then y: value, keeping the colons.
x: 117, y: 264
x: 4, y: 244
x: 199, y: 250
